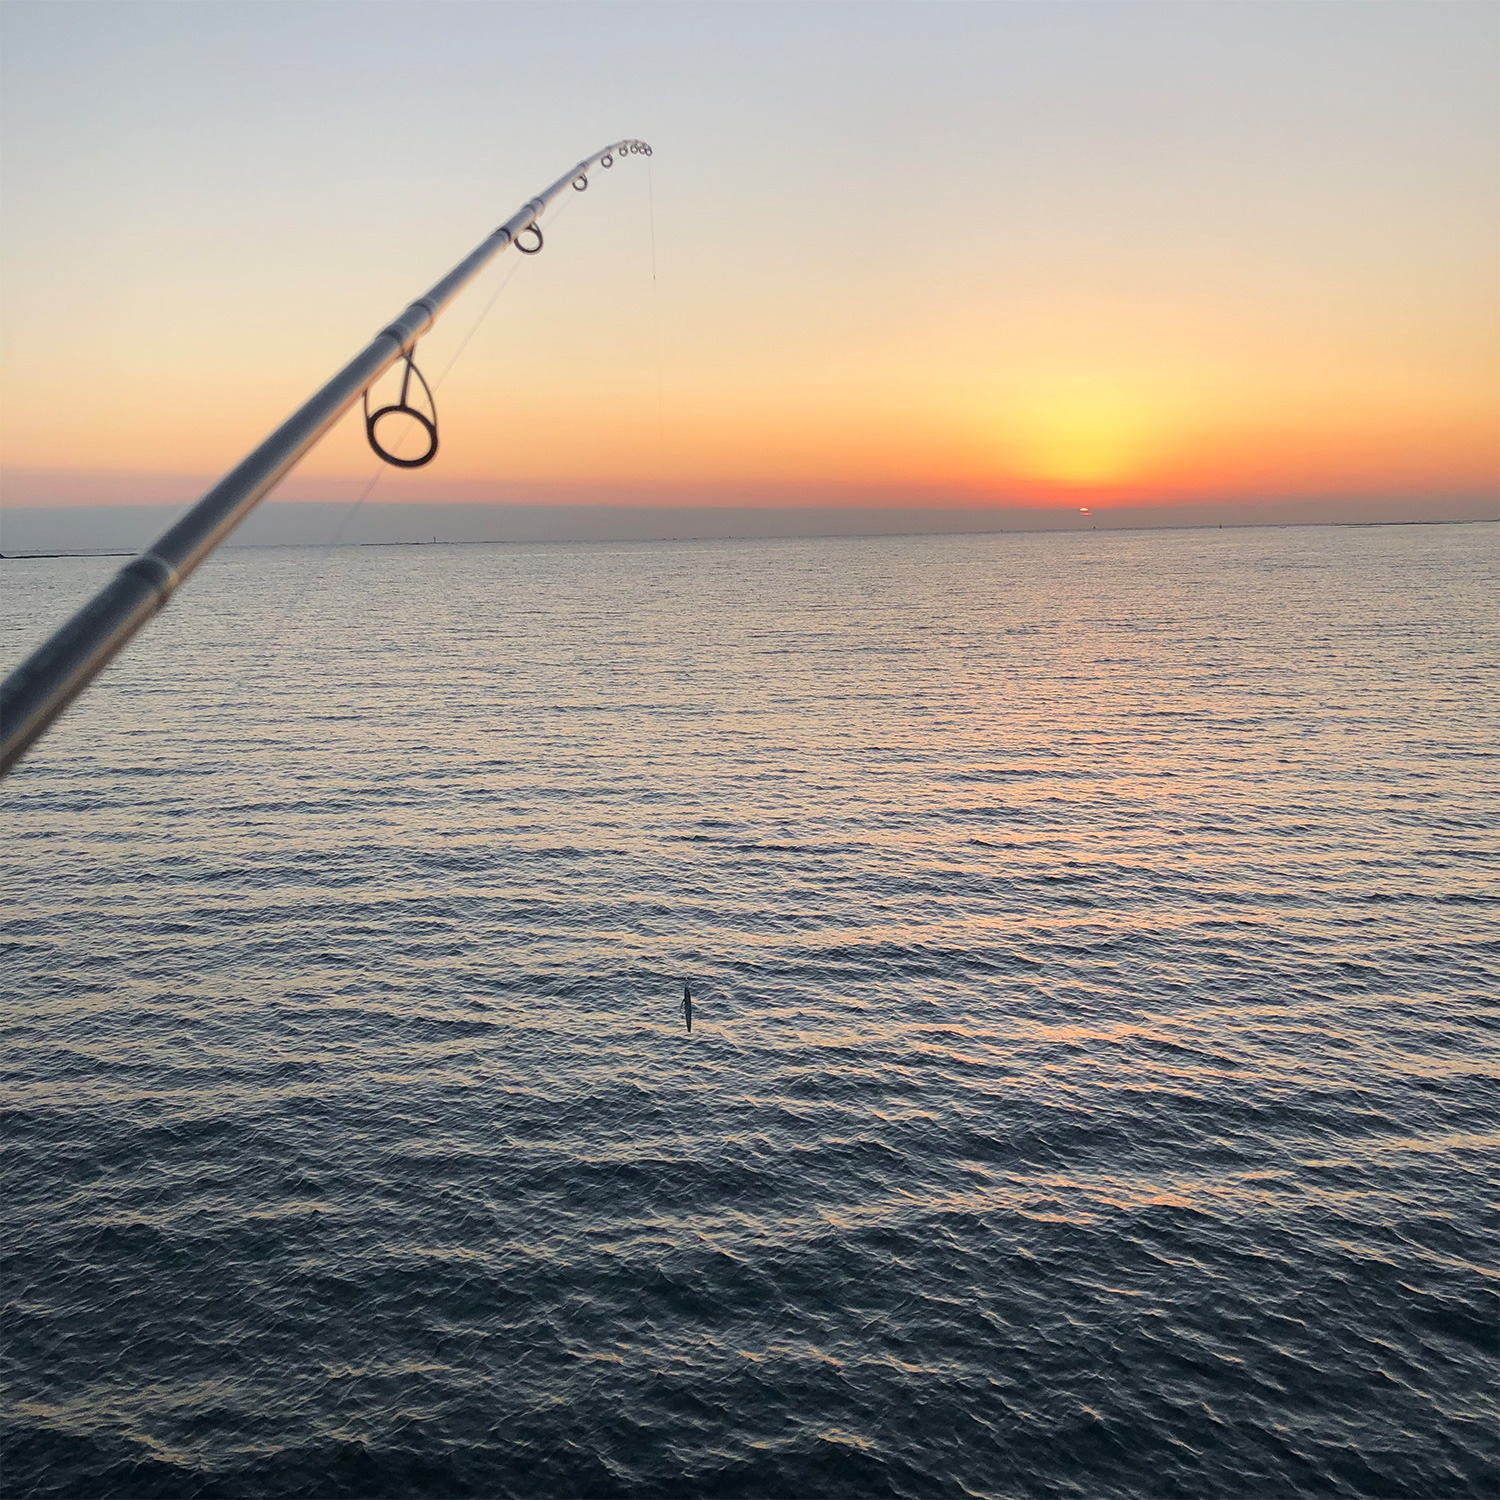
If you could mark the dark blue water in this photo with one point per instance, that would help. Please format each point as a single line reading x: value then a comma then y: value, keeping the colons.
x: 1092, y: 1083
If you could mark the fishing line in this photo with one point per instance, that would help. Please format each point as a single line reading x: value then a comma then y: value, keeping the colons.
x: 437, y: 384
x: 321, y: 559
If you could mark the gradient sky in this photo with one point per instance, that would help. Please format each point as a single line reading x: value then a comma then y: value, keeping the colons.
x: 1055, y: 253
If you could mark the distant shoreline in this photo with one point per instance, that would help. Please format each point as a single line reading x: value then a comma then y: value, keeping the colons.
x: 816, y: 536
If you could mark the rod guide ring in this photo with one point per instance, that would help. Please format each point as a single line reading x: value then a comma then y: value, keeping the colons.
x: 406, y: 409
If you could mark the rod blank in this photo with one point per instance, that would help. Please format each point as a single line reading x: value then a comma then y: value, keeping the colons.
x: 63, y: 666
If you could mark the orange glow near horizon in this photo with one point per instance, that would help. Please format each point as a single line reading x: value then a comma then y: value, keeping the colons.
x: 1122, y: 422
x: 1066, y: 440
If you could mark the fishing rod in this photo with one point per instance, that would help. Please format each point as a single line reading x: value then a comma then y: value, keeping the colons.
x: 63, y: 666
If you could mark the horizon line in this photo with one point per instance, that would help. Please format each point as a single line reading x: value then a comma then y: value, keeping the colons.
x: 814, y: 536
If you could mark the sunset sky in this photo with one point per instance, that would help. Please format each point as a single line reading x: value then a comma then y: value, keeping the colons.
x: 1055, y: 254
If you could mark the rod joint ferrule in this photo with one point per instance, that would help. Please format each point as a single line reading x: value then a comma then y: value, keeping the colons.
x: 156, y: 573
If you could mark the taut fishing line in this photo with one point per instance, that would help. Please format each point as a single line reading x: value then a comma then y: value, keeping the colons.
x: 437, y: 384
x: 318, y: 564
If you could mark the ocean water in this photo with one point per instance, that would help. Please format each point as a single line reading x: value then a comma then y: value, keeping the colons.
x: 1092, y: 1084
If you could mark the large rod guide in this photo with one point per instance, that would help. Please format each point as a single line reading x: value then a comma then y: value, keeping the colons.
x: 59, y: 670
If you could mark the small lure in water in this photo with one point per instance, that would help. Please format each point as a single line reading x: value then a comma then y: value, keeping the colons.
x: 687, y: 1006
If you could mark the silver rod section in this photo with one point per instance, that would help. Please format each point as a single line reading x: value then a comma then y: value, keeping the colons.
x: 59, y: 670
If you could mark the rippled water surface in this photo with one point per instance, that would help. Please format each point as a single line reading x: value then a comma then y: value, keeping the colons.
x: 1091, y: 1089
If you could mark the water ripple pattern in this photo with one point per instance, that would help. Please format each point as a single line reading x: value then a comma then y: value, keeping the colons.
x: 1091, y: 1089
